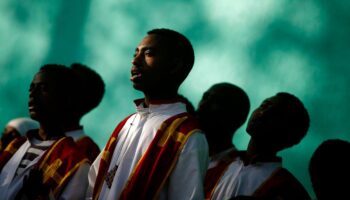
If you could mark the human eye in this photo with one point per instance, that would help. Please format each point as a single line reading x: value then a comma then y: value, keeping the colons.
x: 43, y: 88
x: 148, y: 52
x: 135, y: 53
x: 31, y: 87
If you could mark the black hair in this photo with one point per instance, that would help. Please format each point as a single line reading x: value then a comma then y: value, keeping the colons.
x: 223, y: 108
x: 67, y: 79
x: 92, y: 88
x: 189, y: 106
x: 180, y: 46
x: 298, y: 120
x: 236, y: 102
x: 329, y: 169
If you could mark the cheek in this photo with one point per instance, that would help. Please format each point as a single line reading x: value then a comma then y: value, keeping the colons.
x: 157, y: 65
x: 151, y: 62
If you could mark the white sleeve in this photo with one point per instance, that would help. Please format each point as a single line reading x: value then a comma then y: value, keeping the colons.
x: 92, y: 176
x: 76, y: 188
x: 187, y: 179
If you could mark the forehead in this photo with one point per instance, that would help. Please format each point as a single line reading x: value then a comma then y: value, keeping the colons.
x: 151, y: 41
x: 44, y: 76
x: 49, y: 79
x: 272, y: 101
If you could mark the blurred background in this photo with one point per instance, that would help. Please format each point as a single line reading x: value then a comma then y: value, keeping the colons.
x: 266, y: 46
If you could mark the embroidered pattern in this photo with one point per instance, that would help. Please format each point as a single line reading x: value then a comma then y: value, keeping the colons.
x: 110, y: 176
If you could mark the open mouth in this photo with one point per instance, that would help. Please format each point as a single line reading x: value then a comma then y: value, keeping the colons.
x: 135, y: 75
x: 32, y: 107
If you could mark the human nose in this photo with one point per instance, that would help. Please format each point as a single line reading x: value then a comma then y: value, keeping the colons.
x: 136, y: 60
x: 33, y: 90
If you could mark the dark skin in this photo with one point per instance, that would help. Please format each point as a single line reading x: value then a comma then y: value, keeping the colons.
x: 49, y: 105
x: 214, y: 118
x: 266, y: 126
x: 221, y: 111
x: 154, y: 69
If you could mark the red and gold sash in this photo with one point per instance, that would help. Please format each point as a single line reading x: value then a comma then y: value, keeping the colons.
x: 282, y: 185
x: 87, y: 146
x: 59, y: 163
x: 11, y: 149
x: 214, y: 174
x: 155, y: 166
x: 106, y: 158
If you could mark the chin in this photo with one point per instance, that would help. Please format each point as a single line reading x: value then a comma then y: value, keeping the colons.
x: 33, y: 116
x: 250, y: 130
x: 37, y: 117
x: 138, y: 88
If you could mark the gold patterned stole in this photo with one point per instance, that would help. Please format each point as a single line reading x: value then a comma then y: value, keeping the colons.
x: 11, y: 149
x: 159, y: 160
x: 281, y: 185
x: 87, y: 146
x: 59, y: 163
x: 157, y: 163
x: 106, y: 158
x: 214, y: 174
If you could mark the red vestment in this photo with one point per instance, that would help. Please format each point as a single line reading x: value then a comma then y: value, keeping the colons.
x: 158, y: 161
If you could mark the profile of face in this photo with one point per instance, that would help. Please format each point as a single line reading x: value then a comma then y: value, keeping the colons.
x: 212, y: 108
x: 268, y: 120
x: 223, y: 106
x: 151, y: 65
x: 213, y: 114
x: 47, y: 102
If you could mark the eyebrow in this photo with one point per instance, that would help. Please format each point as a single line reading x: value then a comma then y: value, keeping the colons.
x: 144, y: 48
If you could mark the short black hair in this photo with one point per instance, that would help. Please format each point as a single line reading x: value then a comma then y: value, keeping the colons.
x: 236, y: 100
x: 280, y: 122
x: 189, y: 106
x: 298, y: 120
x: 328, y: 167
x: 92, y: 88
x: 181, y: 47
x: 68, y: 80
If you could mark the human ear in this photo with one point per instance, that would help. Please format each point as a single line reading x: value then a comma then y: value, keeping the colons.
x: 176, y: 66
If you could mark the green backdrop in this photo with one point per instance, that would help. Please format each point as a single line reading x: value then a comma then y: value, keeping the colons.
x: 264, y: 46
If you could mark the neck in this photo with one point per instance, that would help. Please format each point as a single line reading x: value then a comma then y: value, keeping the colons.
x: 255, y: 150
x: 218, y: 148
x: 162, y: 96
x: 72, y: 124
x: 48, y: 133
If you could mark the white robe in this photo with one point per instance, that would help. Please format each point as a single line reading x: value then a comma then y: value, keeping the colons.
x: 185, y: 181
x: 76, y: 134
x: 11, y: 184
x: 242, y: 180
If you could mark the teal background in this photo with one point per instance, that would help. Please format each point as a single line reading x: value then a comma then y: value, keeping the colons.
x: 264, y: 46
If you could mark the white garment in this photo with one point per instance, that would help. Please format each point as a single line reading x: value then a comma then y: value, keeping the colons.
x: 37, y: 148
x: 243, y: 180
x: 185, y: 181
x: 76, y: 134
x: 11, y: 184
x: 224, y: 155
x: 23, y: 124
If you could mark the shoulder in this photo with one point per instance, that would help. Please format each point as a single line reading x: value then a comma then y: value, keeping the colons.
x: 63, y: 148
x: 282, y: 183
x: 197, y: 142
